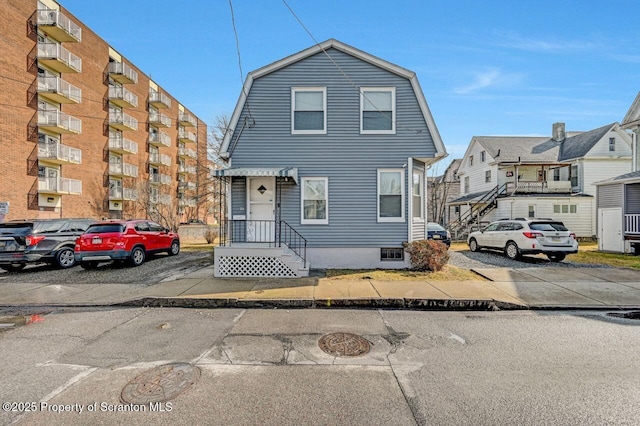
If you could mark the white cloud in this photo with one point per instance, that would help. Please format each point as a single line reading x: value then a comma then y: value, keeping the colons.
x: 515, y: 41
x: 488, y: 78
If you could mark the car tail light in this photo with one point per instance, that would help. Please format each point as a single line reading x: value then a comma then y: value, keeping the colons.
x: 448, y: 235
x: 34, y: 240
x: 532, y: 234
x: 572, y: 235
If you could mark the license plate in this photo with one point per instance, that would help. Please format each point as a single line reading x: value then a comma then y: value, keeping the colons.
x: 556, y: 239
x: 96, y: 240
x: 436, y: 236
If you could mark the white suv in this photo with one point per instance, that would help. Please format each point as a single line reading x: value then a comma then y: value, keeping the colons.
x: 526, y: 236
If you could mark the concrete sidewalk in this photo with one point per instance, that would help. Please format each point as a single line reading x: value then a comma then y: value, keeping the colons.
x: 529, y: 288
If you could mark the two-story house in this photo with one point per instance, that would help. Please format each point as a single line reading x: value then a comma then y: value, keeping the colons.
x: 517, y: 176
x: 441, y: 191
x: 327, y: 152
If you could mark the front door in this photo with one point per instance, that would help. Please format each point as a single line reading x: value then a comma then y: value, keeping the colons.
x: 610, y: 223
x: 261, y: 209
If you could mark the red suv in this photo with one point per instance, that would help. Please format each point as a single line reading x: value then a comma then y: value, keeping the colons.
x: 128, y: 241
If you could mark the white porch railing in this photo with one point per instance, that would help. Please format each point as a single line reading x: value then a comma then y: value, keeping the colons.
x: 526, y: 187
x: 632, y: 223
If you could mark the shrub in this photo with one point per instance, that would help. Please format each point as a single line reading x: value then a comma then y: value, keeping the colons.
x: 210, y: 235
x: 427, y: 255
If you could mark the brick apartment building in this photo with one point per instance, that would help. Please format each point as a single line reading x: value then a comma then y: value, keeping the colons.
x: 83, y: 132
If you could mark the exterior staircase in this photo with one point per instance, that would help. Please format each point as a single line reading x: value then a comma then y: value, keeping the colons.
x: 472, y: 218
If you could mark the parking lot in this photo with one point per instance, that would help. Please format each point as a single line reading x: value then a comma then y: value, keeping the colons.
x: 155, y: 269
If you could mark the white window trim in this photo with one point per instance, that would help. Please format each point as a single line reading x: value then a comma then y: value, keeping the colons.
x: 403, y: 202
x: 418, y: 219
x: 393, y: 110
x: 304, y: 221
x: 324, y: 106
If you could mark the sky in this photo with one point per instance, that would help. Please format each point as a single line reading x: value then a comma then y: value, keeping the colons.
x: 486, y: 67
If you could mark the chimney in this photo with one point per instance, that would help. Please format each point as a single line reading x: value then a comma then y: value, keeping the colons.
x: 557, y: 132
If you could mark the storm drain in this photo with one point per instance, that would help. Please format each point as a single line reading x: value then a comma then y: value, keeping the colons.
x: 344, y: 344
x: 635, y: 315
x: 160, y: 384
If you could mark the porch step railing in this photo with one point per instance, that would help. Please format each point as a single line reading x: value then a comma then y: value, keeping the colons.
x: 463, y: 225
x: 270, y: 233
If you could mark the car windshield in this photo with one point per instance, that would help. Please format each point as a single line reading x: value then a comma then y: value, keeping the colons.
x: 548, y: 226
x: 434, y: 227
x: 105, y: 228
x: 49, y: 226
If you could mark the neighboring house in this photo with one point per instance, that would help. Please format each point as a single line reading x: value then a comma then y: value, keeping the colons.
x: 517, y: 176
x: 327, y: 162
x: 618, y: 200
x: 441, y: 191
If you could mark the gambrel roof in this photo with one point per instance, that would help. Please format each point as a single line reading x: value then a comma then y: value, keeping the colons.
x: 352, y: 51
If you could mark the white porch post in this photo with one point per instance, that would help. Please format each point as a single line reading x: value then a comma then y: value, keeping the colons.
x: 409, y: 198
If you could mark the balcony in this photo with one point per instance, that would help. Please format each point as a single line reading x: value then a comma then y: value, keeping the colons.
x: 123, y: 170
x: 58, y: 90
x: 58, y: 58
x: 158, y: 119
x: 184, y: 169
x: 549, y: 187
x: 58, y: 26
x: 186, y: 119
x: 188, y: 186
x: 59, y: 154
x: 122, y: 97
x: 159, y: 179
x: 186, y: 136
x: 122, y: 146
x: 164, y: 199
x: 159, y: 159
x: 186, y: 152
x: 123, y: 194
x: 122, y: 121
x: 58, y: 122
x: 122, y: 73
x: 159, y: 99
x: 159, y: 139
x: 59, y: 186
x: 186, y: 203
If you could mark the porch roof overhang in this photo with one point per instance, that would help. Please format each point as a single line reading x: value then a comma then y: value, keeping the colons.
x: 290, y: 172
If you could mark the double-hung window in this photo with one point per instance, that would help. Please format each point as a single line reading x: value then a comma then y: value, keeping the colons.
x: 315, y: 201
x: 309, y: 110
x: 378, y: 110
x: 417, y: 194
x: 391, y: 195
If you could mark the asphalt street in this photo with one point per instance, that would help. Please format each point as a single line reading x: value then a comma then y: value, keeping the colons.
x: 266, y: 367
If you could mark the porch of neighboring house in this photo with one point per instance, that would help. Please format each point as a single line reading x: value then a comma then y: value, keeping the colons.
x: 632, y: 216
x: 254, y: 241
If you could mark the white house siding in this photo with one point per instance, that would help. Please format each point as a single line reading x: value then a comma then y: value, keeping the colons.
x: 598, y: 170
x: 476, y: 173
x: 418, y: 231
x: 601, y: 149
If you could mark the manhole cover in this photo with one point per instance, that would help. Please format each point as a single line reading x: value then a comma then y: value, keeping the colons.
x: 344, y: 344
x: 626, y: 315
x: 160, y: 384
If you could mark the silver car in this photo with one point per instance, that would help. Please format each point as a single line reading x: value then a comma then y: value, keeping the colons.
x: 526, y: 236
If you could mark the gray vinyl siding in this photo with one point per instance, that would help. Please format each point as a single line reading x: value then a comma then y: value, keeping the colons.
x: 238, y: 196
x: 609, y: 196
x: 632, y: 198
x: 349, y: 160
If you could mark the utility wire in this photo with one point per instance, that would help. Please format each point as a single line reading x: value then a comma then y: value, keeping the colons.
x: 235, y: 32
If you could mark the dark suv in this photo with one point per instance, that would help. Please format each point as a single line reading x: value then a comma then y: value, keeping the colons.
x: 40, y: 240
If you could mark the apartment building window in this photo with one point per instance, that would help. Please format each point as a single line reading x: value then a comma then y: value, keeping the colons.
x: 308, y: 110
x: 565, y: 208
x: 612, y: 144
x: 391, y: 195
x: 377, y: 110
x: 466, y: 184
x: 417, y: 194
x: 483, y: 156
x: 487, y: 176
x: 315, y: 201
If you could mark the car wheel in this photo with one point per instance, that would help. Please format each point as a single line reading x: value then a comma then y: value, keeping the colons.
x: 473, y: 245
x: 175, y: 248
x: 13, y: 267
x: 65, y: 258
x: 556, y: 257
x: 512, y: 251
x: 137, y: 256
x: 89, y: 265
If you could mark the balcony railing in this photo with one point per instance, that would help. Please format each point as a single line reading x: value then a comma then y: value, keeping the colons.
x: 124, y: 169
x: 159, y: 139
x: 525, y: 187
x: 59, y: 153
x: 58, y: 25
x: 123, y: 97
x: 159, y: 178
x: 186, y: 119
x: 58, y: 122
x: 58, y: 90
x: 123, y: 194
x: 159, y: 119
x: 59, y: 186
x: 122, y: 121
x: 164, y: 199
x: 58, y: 58
x: 186, y: 136
x: 162, y: 159
x: 186, y: 152
x: 632, y: 224
x: 122, y: 145
x: 186, y: 203
x: 159, y: 99
x: 122, y: 73
x: 189, y: 186
x: 182, y: 168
